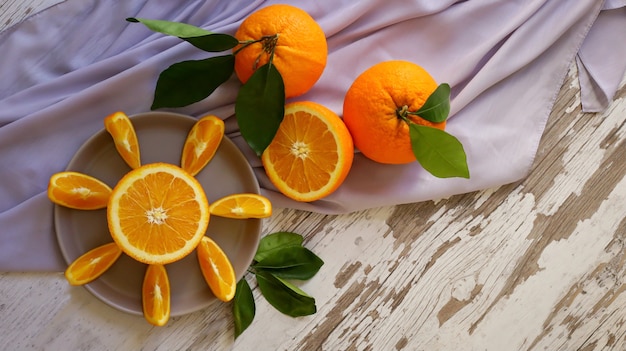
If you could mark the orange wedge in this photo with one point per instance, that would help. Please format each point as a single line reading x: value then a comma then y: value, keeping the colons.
x: 201, y: 144
x: 124, y: 137
x: 158, y: 213
x: 311, y: 153
x: 77, y: 190
x: 92, y: 264
x: 242, y: 206
x: 216, y: 269
x: 155, y: 295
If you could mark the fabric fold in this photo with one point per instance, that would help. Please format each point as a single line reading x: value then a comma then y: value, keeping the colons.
x: 601, y: 63
x: 71, y: 65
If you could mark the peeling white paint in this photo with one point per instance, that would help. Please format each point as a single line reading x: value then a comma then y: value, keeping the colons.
x: 463, y: 287
x: 565, y: 262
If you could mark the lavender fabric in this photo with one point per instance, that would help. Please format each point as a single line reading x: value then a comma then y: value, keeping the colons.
x: 64, y: 69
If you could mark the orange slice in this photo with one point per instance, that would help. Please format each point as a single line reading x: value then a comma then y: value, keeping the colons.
x: 92, y: 264
x: 201, y: 144
x: 158, y: 213
x: 216, y: 269
x: 155, y: 295
x: 78, y: 191
x: 124, y: 137
x: 242, y: 206
x: 311, y: 154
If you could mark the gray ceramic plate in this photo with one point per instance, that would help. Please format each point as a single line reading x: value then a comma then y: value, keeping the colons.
x: 161, y: 137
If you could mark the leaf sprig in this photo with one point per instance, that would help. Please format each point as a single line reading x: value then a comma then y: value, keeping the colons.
x: 188, y: 82
x: 439, y: 152
x: 280, y: 258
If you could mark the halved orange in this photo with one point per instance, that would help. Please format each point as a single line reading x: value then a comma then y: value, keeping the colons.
x: 155, y: 295
x: 311, y: 154
x: 217, y: 269
x: 92, y: 264
x: 78, y: 190
x: 121, y: 129
x: 201, y: 144
x: 158, y: 213
x: 242, y: 206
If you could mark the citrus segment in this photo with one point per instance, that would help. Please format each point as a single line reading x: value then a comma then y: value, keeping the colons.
x: 242, y: 206
x: 216, y: 269
x: 124, y: 137
x: 92, y: 264
x: 374, y: 103
x: 299, y: 44
x: 155, y: 295
x: 158, y: 213
x: 311, y: 154
x: 78, y: 191
x: 201, y: 144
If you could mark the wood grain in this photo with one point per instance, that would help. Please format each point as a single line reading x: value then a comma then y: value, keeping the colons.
x: 534, y: 265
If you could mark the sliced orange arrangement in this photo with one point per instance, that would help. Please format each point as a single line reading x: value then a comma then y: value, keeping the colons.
x: 217, y: 269
x: 121, y: 129
x: 155, y: 292
x: 311, y: 154
x: 157, y: 214
x: 242, y: 206
x: 201, y: 144
x: 78, y: 191
x: 92, y: 264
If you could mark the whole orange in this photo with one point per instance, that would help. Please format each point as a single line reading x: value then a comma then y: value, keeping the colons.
x: 298, y: 44
x: 374, y: 104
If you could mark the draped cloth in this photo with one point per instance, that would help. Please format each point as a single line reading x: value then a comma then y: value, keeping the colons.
x: 66, y: 68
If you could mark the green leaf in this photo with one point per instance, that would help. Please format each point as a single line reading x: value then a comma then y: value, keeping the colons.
x: 437, y: 107
x: 198, y: 37
x: 438, y: 152
x: 291, y: 263
x: 293, y: 288
x: 243, y: 307
x: 213, y: 42
x: 177, y: 29
x: 285, y: 297
x: 260, y: 107
x: 276, y: 241
x: 186, y: 82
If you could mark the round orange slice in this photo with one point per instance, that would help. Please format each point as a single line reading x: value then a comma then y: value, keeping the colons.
x: 92, y: 264
x: 121, y: 129
x: 311, y: 153
x: 158, y: 213
x: 78, y: 191
x: 217, y: 269
x: 155, y: 295
x: 242, y: 206
x: 201, y: 144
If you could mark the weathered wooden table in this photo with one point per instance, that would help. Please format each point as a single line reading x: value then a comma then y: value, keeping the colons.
x: 535, y: 265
